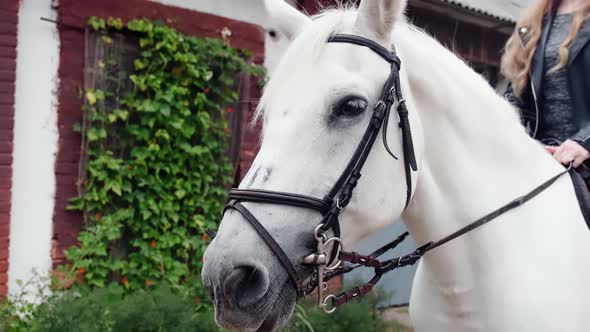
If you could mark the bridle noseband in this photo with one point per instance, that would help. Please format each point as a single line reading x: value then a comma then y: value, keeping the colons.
x: 331, y: 205
x: 339, y: 196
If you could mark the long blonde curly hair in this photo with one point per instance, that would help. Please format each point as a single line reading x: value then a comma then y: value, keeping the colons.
x: 517, y: 58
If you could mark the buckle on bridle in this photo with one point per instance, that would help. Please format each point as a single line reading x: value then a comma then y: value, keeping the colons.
x: 380, y: 106
x: 338, y: 204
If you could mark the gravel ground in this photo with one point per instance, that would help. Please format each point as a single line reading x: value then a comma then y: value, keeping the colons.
x: 399, y: 319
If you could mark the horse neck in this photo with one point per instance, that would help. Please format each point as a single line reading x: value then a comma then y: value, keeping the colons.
x: 476, y: 158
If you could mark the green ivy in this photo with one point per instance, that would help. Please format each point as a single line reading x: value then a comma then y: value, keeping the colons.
x: 157, y: 168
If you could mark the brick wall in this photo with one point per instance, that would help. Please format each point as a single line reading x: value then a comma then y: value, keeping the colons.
x: 73, y: 15
x: 311, y: 7
x: 250, y: 142
x: 8, y: 33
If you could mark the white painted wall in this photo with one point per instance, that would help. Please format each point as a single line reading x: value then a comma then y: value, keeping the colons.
x: 251, y: 11
x: 35, y: 142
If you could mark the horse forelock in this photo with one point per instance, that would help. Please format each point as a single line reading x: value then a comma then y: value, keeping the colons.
x: 306, y: 49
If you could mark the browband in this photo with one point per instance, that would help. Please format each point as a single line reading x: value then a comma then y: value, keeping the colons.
x: 387, y: 55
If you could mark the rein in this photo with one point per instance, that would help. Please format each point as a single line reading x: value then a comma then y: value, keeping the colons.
x: 335, y: 201
x: 382, y: 267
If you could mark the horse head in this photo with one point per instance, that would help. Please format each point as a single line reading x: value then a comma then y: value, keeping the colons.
x: 316, y: 107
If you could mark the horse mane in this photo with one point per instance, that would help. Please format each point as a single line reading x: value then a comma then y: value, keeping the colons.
x: 311, y: 42
x: 456, y: 68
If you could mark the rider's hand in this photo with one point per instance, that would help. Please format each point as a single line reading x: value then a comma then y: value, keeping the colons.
x: 569, y: 151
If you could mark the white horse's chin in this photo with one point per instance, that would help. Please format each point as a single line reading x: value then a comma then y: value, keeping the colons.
x: 279, y: 313
x: 272, y: 322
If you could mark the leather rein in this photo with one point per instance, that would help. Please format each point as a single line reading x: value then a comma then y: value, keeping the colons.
x: 335, y: 201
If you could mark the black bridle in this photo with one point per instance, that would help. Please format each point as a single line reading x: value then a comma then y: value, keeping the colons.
x: 339, y: 196
x: 331, y: 205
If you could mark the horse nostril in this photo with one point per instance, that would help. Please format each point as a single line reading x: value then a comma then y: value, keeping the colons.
x: 246, y: 285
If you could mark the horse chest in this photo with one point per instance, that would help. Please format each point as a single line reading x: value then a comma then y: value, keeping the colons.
x: 500, y: 304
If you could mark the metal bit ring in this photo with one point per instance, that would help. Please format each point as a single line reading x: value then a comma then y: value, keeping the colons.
x: 338, y: 242
x: 325, y: 304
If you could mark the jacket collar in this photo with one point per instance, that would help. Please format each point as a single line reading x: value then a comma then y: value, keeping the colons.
x: 580, y: 41
x: 582, y: 38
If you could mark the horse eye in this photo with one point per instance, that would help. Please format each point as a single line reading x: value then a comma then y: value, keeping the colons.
x: 351, y: 106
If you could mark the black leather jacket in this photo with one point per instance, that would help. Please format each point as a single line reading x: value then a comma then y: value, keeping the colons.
x: 578, y: 73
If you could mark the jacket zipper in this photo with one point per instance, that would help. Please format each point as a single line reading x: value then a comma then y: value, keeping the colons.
x: 536, y: 108
x: 521, y: 34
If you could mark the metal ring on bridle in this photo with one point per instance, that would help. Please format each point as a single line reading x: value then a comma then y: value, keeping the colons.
x: 340, y: 248
x: 325, y: 304
x: 319, y: 234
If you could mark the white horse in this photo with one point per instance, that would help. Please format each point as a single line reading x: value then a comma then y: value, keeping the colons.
x: 529, y: 270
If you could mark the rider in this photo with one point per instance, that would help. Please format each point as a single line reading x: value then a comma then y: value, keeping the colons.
x: 548, y: 65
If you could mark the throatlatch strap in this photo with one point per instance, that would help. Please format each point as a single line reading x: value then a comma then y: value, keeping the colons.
x: 407, y: 140
x: 270, y: 242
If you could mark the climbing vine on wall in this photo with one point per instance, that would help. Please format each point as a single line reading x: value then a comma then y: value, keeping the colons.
x: 157, y: 167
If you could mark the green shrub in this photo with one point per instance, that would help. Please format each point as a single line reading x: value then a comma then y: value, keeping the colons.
x: 163, y: 309
x: 13, y: 317
x: 110, y: 309
x: 19, y: 312
x: 113, y: 309
x: 361, y: 316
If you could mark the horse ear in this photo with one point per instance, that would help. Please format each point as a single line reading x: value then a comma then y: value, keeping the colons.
x: 285, y: 18
x: 376, y: 18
